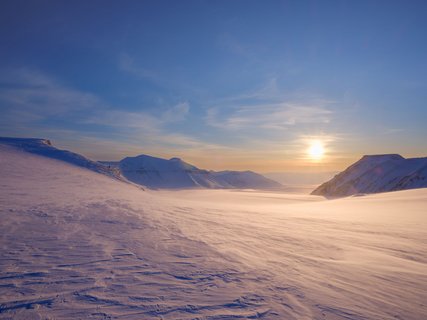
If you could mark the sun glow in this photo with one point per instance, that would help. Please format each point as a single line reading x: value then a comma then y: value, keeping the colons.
x: 316, y: 150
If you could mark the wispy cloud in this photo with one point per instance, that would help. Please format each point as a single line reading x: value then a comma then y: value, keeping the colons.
x: 128, y: 64
x: 269, y: 116
x: 248, y: 50
x: 177, y: 113
x: 389, y: 131
x: 31, y: 99
x: 140, y: 120
x: 152, y: 130
x: 124, y: 119
x: 38, y: 95
x: 230, y: 43
x: 269, y: 91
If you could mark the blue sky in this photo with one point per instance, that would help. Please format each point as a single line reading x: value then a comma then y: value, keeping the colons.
x: 222, y: 84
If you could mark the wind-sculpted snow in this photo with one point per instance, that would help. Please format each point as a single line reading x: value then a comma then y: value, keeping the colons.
x: 157, y: 173
x: 75, y: 244
x: 374, y: 174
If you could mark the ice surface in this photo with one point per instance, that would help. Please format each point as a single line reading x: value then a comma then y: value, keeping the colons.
x: 76, y: 244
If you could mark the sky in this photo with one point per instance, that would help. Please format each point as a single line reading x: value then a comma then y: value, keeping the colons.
x: 221, y: 84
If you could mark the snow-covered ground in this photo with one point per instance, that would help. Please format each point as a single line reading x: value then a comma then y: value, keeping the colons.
x: 75, y: 244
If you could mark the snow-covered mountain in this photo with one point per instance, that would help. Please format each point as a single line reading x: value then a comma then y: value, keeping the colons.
x: 45, y: 148
x: 148, y: 171
x: 174, y: 173
x: 377, y: 173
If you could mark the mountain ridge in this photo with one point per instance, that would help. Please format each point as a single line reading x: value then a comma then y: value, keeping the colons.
x: 159, y: 173
x: 375, y: 174
x: 44, y: 147
x: 148, y: 171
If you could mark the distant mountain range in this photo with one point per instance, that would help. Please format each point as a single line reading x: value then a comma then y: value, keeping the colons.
x: 174, y: 173
x: 377, y: 173
x: 371, y: 174
x: 151, y: 172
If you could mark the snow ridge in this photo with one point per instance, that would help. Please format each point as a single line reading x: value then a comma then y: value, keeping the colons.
x: 377, y: 173
x: 44, y: 147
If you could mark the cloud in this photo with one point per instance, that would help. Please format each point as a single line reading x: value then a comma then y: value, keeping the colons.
x: 250, y: 127
x: 269, y: 91
x: 28, y: 95
x: 230, y: 43
x: 269, y: 107
x: 34, y: 93
x: 249, y: 51
x: 124, y: 119
x: 33, y: 103
x: 127, y: 64
x: 140, y: 119
x: 269, y: 116
x: 176, y: 113
x: 151, y: 130
x: 387, y: 131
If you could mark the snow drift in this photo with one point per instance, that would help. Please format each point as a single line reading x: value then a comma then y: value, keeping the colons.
x: 377, y: 173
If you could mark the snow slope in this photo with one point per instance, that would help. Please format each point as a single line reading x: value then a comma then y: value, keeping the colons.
x: 75, y: 244
x: 45, y: 148
x: 157, y: 173
x: 377, y: 173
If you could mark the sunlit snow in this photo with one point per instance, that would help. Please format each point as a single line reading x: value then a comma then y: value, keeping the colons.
x: 77, y: 244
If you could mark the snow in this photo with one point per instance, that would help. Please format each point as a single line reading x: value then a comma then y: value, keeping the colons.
x: 377, y: 173
x: 76, y: 244
x: 158, y: 173
x: 44, y: 147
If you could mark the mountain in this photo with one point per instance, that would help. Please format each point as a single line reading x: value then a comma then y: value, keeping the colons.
x: 148, y: 171
x: 377, y: 173
x: 157, y: 173
x: 44, y: 147
x: 244, y: 180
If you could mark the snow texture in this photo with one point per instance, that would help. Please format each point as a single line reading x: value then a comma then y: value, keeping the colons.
x: 377, y: 173
x: 76, y: 244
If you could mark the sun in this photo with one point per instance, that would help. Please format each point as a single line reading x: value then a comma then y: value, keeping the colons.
x: 316, y: 150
